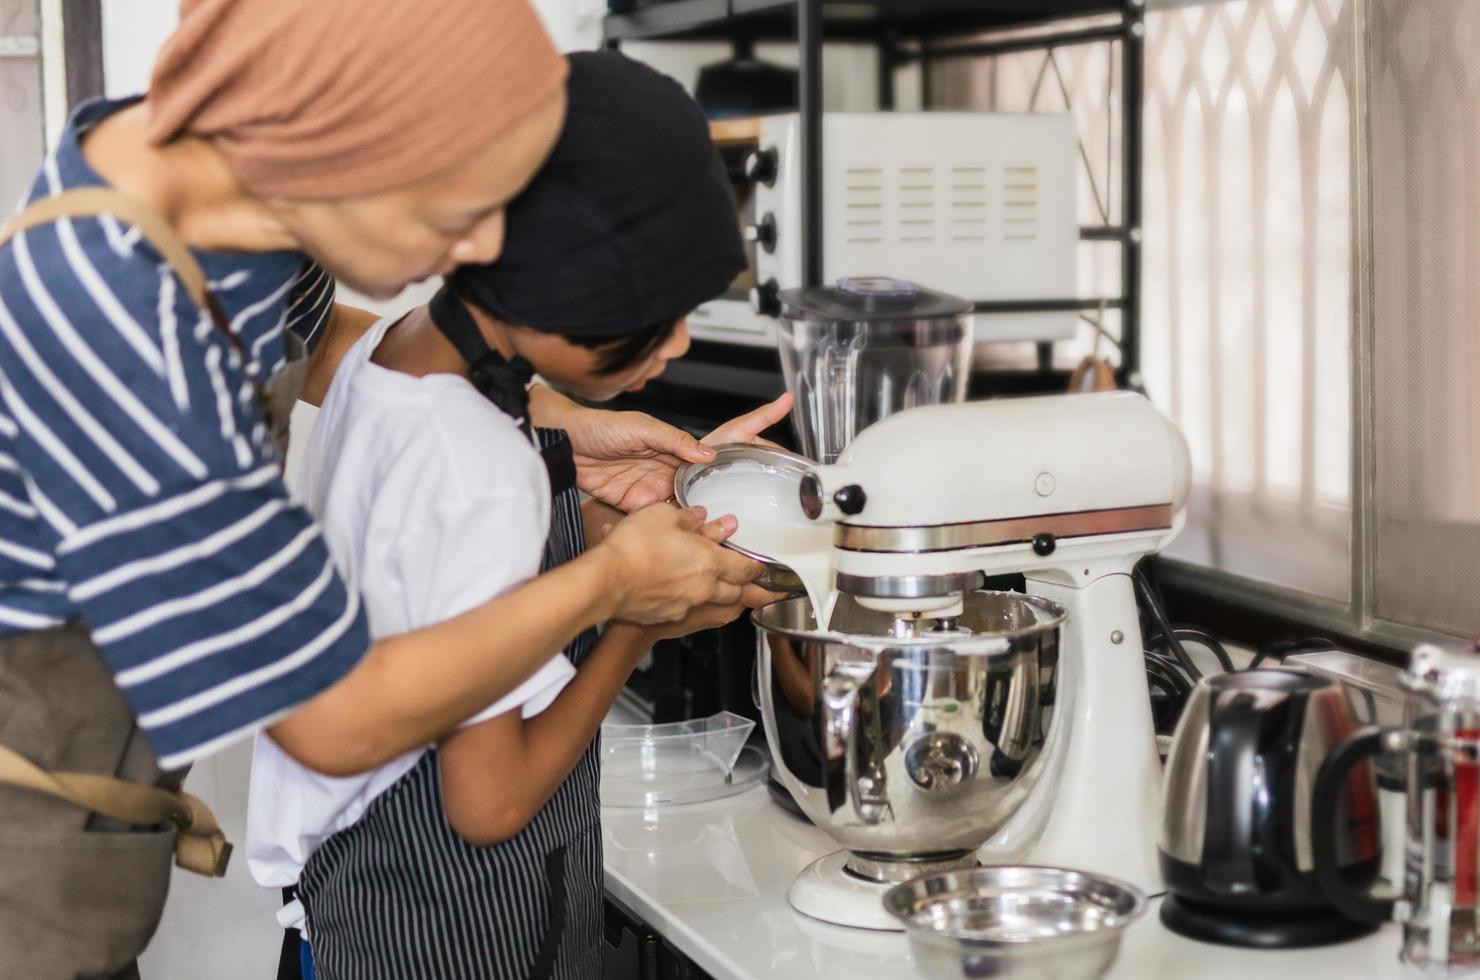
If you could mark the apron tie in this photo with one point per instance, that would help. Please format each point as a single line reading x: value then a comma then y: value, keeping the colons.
x: 503, y: 382
x: 200, y: 846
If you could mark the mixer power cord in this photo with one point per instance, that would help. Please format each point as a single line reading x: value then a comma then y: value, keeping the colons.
x: 1172, y: 672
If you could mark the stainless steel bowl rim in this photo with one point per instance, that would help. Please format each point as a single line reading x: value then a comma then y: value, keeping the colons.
x: 689, y: 473
x: 894, y: 897
x: 1055, y: 613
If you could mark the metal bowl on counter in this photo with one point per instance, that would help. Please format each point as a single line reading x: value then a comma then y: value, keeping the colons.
x: 758, y: 481
x: 1015, y: 921
x: 909, y: 750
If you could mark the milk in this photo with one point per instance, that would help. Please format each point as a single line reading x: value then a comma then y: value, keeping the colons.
x: 772, y: 524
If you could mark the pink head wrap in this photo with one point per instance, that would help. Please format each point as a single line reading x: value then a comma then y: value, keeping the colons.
x: 312, y: 99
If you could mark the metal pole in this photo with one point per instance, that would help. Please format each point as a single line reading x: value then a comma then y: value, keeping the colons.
x: 887, y: 63
x: 989, y: 49
x: 809, y: 44
x: 927, y: 87
x: 1131, y: 108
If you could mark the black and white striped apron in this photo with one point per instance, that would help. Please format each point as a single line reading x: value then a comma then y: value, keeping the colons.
x: 400, y: 895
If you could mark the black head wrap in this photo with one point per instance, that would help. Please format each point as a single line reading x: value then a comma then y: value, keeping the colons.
x: 629, y: 224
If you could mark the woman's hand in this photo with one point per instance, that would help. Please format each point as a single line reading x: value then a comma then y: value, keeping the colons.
x: 666, y: 562
x: 628, y: 459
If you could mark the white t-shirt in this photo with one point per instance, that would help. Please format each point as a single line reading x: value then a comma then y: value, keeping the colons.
x: 433, y: 502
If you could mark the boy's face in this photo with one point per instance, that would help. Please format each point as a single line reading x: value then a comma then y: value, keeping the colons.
x: 576, y: 369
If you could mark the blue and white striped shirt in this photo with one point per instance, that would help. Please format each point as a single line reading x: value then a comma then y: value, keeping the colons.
x: 139, y: 489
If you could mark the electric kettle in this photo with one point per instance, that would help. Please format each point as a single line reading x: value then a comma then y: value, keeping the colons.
x: 1236, y: 844
x: 1440, y: 744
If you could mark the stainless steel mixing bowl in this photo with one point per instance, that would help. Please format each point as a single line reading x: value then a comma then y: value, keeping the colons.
x: 1043, y: 923
x: 909, y: 750
x: 786, y: 467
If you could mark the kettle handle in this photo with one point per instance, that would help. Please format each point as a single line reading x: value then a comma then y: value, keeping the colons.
x: 1331, y: 785
x: 1233, y: 755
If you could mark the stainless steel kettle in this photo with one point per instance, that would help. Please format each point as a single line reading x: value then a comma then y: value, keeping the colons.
x: 1440, y: 744
x: 1236, y: 845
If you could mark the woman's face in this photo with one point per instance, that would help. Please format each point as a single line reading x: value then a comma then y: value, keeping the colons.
x: 577, y: 369
x: 378, y: 244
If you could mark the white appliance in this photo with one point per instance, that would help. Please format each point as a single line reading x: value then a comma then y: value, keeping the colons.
x: 981, y: 205
x: 1071, y: 491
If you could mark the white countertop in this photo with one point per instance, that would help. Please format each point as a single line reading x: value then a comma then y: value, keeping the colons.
x: 712, y: 879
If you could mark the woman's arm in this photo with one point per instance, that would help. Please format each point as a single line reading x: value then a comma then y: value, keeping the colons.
x: 496, y: 775
x: 656, y: 567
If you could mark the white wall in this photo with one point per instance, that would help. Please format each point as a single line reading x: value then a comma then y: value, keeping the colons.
x: 133, y: 30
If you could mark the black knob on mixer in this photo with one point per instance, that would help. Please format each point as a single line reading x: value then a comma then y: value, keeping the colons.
x: 765, y: 298
x: 850, y: 499
x: 1044, y: 544
x: 763, y: 233
x: 762, y: 166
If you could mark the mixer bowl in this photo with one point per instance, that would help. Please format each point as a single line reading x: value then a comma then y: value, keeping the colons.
x: 911, y: 751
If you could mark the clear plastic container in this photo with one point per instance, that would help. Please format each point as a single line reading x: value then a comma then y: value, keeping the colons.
x: 678, y: 762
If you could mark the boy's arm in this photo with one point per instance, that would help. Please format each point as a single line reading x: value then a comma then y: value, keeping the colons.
x: 496, y: 775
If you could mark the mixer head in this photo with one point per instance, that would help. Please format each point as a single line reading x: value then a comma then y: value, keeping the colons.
x: 930, y: 500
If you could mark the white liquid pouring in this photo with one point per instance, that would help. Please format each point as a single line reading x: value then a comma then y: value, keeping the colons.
x: 772, y: 524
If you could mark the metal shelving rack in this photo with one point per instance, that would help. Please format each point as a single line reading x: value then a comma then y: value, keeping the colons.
x: 923, y: 32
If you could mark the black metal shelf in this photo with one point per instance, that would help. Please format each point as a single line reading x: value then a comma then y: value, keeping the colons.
x: 923, y: 32
x: 858, y: 21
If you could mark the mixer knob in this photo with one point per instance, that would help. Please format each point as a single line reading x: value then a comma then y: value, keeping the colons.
x: 763, y: 233
x: 850, y: 499
x: 765, y: 298
x: 762, y: 166
x: 940, y: 761
x: 1044, y: 544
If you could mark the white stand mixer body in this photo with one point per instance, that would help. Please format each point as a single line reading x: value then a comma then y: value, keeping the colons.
x: 1071, y: 491
x: 1098, y: 805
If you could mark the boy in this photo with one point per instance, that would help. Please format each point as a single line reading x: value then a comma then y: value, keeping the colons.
x: 481, y: 856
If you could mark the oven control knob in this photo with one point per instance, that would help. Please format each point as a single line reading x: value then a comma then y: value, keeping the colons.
x: 765, y: 299
x: 763, y: 233
x: 762, y: 166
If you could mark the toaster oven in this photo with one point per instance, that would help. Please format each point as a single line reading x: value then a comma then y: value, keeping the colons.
x: 982, y: 205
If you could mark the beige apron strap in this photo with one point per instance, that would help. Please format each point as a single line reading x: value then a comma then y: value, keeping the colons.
x: 92, y: 202
x: 201, y: 846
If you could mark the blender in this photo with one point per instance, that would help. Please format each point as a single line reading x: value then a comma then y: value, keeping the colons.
x: 860, y: 350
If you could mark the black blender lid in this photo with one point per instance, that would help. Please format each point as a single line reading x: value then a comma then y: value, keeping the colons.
x: 870, y: 298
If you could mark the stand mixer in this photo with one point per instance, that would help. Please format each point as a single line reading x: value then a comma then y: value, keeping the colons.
x: 1070, y: 491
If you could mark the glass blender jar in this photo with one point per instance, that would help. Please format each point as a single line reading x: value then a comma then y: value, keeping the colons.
x: 860, y: 350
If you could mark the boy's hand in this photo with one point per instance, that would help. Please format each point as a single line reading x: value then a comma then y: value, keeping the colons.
x: 747, y: 428
x: 628, y: 459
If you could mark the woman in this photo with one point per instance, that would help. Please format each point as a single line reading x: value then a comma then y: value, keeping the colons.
x: 160, y: 592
